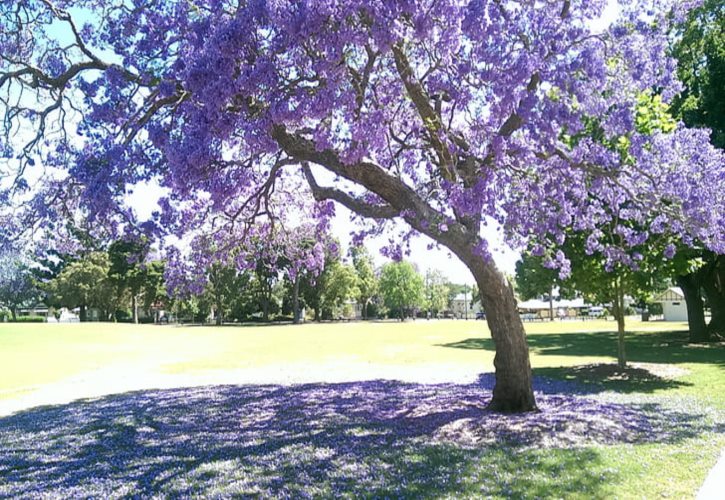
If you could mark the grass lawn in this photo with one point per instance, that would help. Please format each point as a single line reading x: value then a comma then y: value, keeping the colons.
x: 376, y: 409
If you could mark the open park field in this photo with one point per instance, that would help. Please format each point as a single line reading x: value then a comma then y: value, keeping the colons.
x: 359, y: 409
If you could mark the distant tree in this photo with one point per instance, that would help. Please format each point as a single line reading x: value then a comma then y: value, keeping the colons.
x: 340, y: 286
x: 601, y: 283
x: 533, y: 280
x: 127, y: 269
x: 223, y: 284
x: 367, y: 282
x: 312, y: 286
x: 85, y: 283
x: 436, y: 292
x: 154, y: 285
x: 402, y: 288
x: 17, y: 284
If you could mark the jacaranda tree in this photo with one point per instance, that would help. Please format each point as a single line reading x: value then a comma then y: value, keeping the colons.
x: 447, y: 115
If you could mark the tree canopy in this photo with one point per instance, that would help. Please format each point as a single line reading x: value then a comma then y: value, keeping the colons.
x: 402, y: 288
x: 17, y: 283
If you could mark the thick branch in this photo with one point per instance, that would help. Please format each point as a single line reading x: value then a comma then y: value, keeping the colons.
x: 422, y: 102
x: 415, y: 211
x: 356, y: 205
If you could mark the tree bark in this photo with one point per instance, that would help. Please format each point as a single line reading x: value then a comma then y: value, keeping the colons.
x: 296, y: 301
x: 513, y: 390
x: 714, y: 287
x: 618, y: 304
x: 218, y: 320
x: 134, y: 308
x: 14, y: 312
x: 83, y: 316
x: 690, y: 285
x: 551, y: 303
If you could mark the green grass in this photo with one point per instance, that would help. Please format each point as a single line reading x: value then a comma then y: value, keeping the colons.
x: 34, y: 357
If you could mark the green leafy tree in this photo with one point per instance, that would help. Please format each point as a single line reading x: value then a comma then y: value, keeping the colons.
x: 17, y: 284
x: 436, y: 292
x: 700, y: 53
x: 223, y: 286
x: 367, y: 282
x: 127, y: 270
x: 85, y: 283
x: 402, y: 288
x: 340, y: 286
x: 598, y: 283
x: 312, y: 288
x: 154, y: 285
x: 533, y: 279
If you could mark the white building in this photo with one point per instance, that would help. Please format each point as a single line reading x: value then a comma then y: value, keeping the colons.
x: 463, y: 306
x: 674, y: 307
x: 540, y: 309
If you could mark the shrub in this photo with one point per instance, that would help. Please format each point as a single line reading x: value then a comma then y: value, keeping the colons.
x: 655, y: 308
x: 29, y: 319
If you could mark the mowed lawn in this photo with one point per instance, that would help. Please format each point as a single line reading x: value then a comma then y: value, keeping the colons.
x: 295, y: 396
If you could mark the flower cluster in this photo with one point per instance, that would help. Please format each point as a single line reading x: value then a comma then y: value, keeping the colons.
x: 483, y: 110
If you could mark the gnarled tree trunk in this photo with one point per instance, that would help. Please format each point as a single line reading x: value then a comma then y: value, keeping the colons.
x: 714, y: 287
x: 513, y: 390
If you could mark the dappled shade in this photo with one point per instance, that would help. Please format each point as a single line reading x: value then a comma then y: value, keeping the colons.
x: 652, y: 347
x: 365, y: 438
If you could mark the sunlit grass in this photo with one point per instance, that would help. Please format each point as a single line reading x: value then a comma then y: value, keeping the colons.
x: 37, y: 354
x: 36, y: 357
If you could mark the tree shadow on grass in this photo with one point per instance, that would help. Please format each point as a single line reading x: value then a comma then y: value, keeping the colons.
x: 651, y: 347
x: 368, y: 439
x: 609, y: 377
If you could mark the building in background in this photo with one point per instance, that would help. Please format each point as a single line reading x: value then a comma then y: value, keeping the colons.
x: 674, y: 307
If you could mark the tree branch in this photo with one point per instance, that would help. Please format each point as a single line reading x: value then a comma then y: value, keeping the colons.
x: 356, y: 205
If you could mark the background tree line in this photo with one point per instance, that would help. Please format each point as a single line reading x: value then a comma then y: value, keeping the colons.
x: 127, y: 281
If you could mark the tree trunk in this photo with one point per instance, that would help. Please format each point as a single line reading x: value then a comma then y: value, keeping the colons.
x: 83, y: 316
x: 364, y: 312
x: 134, y: 308
x: 513, y: 391
x: 296, y: 301
x: 714, y: 287
x: 618, y: 309
x: 551, y: 303
x: 690, y: 284
x: 265, y: 306
x: 14, y: 312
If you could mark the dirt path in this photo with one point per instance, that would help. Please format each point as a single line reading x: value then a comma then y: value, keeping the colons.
x: 119, y: 379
